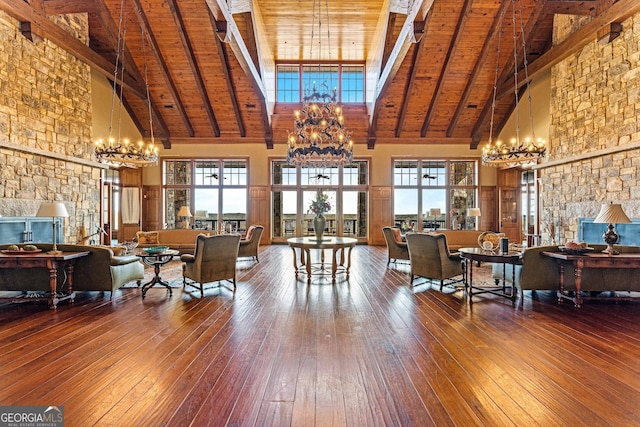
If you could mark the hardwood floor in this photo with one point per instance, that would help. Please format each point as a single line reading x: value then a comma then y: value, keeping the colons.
x: 368, y: 352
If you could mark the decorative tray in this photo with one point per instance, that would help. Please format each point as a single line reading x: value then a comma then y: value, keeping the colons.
x: 489, y: 237
x: 8, y: 252
x: 156, y: 249
x: 574, y: 251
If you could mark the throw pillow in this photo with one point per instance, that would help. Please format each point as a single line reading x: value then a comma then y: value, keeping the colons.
x: 397, y: 235
x: 149, y: 237
x: 249, y: 233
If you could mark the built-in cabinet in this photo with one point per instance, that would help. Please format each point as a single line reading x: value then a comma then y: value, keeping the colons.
x: 508, y: 204
x: 26, y: 229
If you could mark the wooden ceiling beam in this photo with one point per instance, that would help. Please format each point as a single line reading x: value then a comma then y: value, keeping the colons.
x: 232, y: 36
x: 405, y: 39
x: 193, y: 64
x: 617, y: 12
x: 477, y: 68
x: 155, y: 47
x: 224, y: 64
x: 60, y: 7
x: 462, y: 20
x: 44, y: 27
x: 582, y: 7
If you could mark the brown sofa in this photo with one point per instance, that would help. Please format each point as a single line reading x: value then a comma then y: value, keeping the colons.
x: 182, y: 240
x: 457, y: 239
x: 101, y: 270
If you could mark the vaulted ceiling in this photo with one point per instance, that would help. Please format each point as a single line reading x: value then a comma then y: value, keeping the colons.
x: 431, y: 64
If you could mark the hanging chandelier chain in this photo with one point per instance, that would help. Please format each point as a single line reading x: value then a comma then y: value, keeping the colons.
x: 517, y: 153
x: 495, y: 78
x: 117, y: 151
x: 525, y: 62
x: 319, y: 137
x: 515, y: 70
x: 146, y: 82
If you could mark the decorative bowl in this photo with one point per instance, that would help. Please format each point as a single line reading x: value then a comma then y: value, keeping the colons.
x: 491, y: 237
x: 156, y: 249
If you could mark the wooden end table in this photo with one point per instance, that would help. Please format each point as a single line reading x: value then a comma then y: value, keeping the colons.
x: 50, y: 261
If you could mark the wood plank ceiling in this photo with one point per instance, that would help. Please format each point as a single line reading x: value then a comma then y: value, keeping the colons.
x: 211, y: 63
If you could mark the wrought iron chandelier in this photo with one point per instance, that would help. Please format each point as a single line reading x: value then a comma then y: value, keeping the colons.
x: 118, y: 151
x: 518, y: 152
x: 319, y: 137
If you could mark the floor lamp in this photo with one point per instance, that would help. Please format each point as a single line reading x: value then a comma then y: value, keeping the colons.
x: 53, y: 210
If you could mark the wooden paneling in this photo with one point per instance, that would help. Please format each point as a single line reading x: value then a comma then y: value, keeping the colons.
x: 489, y: 209
x: 152, y: 208
x: 381, y: 213
x: 260, y: 211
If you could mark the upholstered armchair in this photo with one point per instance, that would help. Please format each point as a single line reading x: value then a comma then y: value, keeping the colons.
x: 431, y: 259
x: 214, y: 260
x: 251, y: 242
x: 397, y: 249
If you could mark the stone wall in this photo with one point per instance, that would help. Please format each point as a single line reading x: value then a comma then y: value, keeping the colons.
x: 594, y: 147
x: 46, y: 152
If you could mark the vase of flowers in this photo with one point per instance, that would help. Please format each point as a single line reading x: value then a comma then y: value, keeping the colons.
x: 319, y: 206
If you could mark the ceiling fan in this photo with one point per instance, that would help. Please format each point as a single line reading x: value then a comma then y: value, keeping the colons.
x: 320, y: 176
x: 427, y: 176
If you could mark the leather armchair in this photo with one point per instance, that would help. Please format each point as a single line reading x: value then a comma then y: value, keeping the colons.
x: 431, y: 259
x: 397, y: 249
x: 250, y: 244
x: 214, y: 260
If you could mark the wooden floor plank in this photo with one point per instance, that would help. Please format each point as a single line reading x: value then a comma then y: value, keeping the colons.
x: 372, y: 350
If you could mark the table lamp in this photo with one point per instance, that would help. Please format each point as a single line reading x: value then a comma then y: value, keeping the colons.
x: 53, y: 209
x: 474, y: 212
x: 611, y: 214
x: 186, y: 214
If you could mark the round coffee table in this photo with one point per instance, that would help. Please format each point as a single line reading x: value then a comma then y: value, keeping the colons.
x: 157, y: 260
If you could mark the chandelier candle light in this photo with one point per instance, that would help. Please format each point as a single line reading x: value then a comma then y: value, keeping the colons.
x: 121, y: 151
x: 519, y: 152
x: 319, y: 137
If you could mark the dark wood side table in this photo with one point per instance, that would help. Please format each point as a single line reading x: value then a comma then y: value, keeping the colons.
x: 589, y: 260
x: 472, y: 255
x: 51, y: 262
x: 157, y: 260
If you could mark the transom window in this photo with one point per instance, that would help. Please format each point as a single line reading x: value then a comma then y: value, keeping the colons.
x: 296, y: 80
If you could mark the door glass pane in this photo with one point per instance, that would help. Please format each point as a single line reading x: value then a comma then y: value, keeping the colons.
x: 234, y: 209
x: 461, y: 200
x: 354, y: 213
x: 284, y: 213
x: 434, y: 205
x: 205, y: 211
x: 176, y: 198
x: 405, y: 208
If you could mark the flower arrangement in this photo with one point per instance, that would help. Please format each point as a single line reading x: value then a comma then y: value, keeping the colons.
x: 320, y: 204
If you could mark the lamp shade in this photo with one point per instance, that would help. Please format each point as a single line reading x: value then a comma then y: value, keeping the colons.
x: 52, y: 209
x: 612, y: 214
x: 184, y: 211
x: 474, y: 212
x: 434, y: 212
